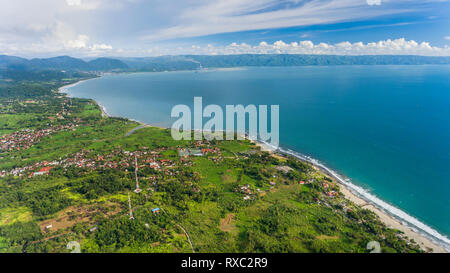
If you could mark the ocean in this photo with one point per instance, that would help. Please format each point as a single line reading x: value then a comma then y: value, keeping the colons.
x: 384, y: 129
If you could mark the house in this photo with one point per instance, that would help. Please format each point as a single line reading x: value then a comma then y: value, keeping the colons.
x: 196, y: 152
x: 332, y: 193
x: 42, y: 171
x: 190, y: 152
x: 155, y: 211
x: 154, y: 165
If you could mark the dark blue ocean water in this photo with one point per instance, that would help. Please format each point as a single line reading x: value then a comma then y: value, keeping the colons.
x: 387, y: 128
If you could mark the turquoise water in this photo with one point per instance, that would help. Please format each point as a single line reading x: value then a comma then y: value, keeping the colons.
x: 387, y: 128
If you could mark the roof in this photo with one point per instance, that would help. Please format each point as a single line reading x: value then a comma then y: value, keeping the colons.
x: 45, y: 169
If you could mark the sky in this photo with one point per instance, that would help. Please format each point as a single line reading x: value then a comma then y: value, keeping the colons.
x: 136, y: 28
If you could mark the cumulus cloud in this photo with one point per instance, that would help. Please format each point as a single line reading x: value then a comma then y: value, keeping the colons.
x: 385, y: 47
x: 78, y: 43
x: 73, y: 2
x: 447, y: 37
x: 87, y: 4
x: 373, y: 2
x: 101, y: 47
x: 81, y: 43
x: 61, y: 40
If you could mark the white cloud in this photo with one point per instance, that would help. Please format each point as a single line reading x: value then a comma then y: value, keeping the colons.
x: 384, y: 47
x: 87, y: 4
x: 101, y: 47
x: 80, y: 27
x: 373, y: 2
x: 447, y: 37
x: 60, y: 40
x: 73, y: 2
x: 79, y: 43
x: 223, y: 16
x: 82, y: 43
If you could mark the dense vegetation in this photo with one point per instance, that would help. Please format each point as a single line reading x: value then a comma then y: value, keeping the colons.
x: 73, y: 184
x: 105, y: 182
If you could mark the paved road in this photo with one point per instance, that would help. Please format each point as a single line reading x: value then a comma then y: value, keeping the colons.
x: 137, y: 128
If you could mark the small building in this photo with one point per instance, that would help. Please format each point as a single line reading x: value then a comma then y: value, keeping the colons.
x: 42, y: 171
x: 183, y: 152
x: 332, y: 193
x: 190, y: 152
x: 196, y: 152
x: 155, y: 211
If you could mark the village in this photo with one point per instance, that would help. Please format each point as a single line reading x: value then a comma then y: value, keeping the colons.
x: 118, y: 159
x: 26, y: 138
x: 154, y: 165
x: 153, y: 159
x: 57, y: 118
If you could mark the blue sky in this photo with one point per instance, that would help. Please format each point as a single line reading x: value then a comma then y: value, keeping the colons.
x: 86, y: 28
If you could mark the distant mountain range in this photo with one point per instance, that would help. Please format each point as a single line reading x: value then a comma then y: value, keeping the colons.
x: 193, y: 62
x: 60, y: 63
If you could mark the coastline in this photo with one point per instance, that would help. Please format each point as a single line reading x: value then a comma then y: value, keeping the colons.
x: 426, y: 243
x: 103, y: 109
x: 64, y: 87
x: 389, y: 220
x: 63, y: 90
x: 349, y: 190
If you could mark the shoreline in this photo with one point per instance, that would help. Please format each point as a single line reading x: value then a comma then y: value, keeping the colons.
x: 423, y: 240
x: 391, y: 222
x: 350, y: 191
x: 64, y: 87
x: 103, y: 109
x: 63, y: 90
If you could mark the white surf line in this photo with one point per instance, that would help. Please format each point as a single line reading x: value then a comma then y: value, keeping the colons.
x: 404, y: 218
x: 65, y: 87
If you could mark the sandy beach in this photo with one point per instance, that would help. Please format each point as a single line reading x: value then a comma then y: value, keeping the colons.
x: 64, y: 87
x: 426, y: 244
